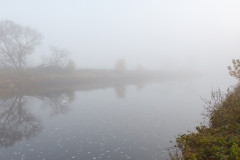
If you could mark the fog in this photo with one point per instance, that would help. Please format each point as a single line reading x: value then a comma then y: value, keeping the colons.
x: 142, y: 68
x: 167, y: 35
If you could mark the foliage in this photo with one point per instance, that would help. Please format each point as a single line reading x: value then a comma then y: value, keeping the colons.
x: 221, y: 138
x: 211, y: 143
x: 235, y: 70
x: 16, y: 43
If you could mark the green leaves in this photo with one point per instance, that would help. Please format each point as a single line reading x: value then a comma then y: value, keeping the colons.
x: 235, y: 152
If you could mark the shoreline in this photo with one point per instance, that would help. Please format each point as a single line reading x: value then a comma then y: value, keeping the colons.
x: 220, y: 139
x: 32, y: 81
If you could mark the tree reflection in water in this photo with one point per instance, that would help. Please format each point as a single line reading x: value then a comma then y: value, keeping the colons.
x: 16, y: 122
x: 58, y: 102
x: 120, y: 91
x: 140, y: 86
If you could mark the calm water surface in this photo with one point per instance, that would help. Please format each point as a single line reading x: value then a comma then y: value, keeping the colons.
x: 125, y: 122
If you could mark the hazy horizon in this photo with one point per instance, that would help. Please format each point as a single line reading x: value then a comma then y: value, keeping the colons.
x: 167, y: 35
x: 62, y: 113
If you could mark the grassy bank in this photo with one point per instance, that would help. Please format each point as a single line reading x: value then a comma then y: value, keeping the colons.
x: 33, y: 79
x: 220, y: 139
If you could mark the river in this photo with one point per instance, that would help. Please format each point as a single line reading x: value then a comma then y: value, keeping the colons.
x: 124, y: 122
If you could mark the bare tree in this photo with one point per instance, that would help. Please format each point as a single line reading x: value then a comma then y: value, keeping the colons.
x: 16, y: 43
x: 59, y: 57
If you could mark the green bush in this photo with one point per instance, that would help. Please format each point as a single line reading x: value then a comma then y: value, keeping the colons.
x: 219, y: 140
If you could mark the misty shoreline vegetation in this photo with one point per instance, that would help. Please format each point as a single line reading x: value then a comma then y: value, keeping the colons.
x: 34, y: 81
x: 220, y: 138
x: 56, y: 69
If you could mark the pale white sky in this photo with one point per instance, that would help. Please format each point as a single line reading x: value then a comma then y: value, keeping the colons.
x: 158, y: 34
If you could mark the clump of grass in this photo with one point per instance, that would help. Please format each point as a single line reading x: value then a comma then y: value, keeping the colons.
x: 220, y: 138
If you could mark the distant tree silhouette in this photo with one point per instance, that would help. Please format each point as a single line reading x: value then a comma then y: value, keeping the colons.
x: 120, y: 65
x: 58, y: 61
x: 16, y: 43
x: 71, y: 65
x: 58, y: 57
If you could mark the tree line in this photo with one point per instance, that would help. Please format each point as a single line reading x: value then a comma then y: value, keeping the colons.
x: 18, y: 42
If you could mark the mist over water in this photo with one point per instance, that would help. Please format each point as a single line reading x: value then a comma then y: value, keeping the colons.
x: 140, y: 70
x: 121, y: 122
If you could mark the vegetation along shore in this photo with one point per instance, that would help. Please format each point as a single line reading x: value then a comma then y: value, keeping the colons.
x: 220, y: 138
x: 56, y: 70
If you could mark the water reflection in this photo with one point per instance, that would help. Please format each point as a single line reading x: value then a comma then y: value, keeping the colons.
x: 120, y: 91
x: 99, y: 125
x: 140, y: 86
x: 16, y: 121
x: 58, y: 102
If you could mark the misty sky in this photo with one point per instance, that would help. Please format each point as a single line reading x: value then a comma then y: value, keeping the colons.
x: 158, y: 34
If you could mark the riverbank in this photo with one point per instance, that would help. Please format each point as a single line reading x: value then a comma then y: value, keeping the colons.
x: 33, y: 80
x: 220, y: 139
